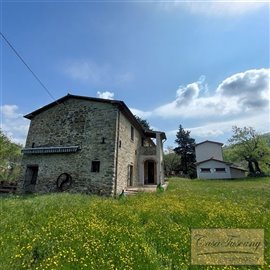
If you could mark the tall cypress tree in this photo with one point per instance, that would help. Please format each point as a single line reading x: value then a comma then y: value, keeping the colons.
x: 186, y: 149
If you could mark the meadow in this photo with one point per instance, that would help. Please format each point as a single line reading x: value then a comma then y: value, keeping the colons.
x: 146, y: 231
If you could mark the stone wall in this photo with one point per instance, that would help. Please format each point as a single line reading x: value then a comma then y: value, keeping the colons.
x: 88, y: 124
x: 128, y: 152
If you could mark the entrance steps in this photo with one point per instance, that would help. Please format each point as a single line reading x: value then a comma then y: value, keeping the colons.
x: 7, y: 187
x: 146, y: 188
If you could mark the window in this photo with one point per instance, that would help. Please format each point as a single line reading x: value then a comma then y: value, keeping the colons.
x: 205, y: 170
x: 95, y: 166
x: 220, y: 169
x: 132, y: 133
x: 130, y: 175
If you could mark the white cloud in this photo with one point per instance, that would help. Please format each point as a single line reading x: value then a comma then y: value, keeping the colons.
x: 214, y: 129
x: 215, y: 8
x: 242, y: 93
x: 13, y: 124
x: 250, y: 88
x: 140, y: 113
x: 187, y: 93
x: 219, y: 128
x: 10, y: 111
x: 242, y: 99
x: 105, y: 95
x: 85, y: 71
x: 88, y: 71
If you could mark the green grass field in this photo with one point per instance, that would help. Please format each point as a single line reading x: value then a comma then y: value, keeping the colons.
x: 147, y: 231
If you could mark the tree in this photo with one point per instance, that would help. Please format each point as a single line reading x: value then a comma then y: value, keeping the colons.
x: 144, y: 123
x: 10, y: 155
x: 186, y: 149
x: 249, y: 146
x: 172, y: 163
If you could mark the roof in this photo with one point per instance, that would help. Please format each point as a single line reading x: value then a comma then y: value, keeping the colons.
x: 213, y: 159
x: 120, y: 104
x: 68, y: 96
x: 231, y: 165
x: 51, y: 150
x: 209, y: 142
x: 153, y: 134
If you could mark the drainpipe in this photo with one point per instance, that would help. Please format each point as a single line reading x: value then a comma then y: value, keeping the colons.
x: 116, y: 152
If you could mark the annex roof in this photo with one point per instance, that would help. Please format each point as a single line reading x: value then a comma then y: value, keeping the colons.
x: 231, y: 165
x: 213, y: 159
x: 120, y: 104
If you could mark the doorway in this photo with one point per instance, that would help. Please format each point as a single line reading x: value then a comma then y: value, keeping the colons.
x: 30, y: 178
x: 130, y: 175
x: 150, y: 172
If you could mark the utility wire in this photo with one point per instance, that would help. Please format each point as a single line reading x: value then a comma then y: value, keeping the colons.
x: 37, y: 78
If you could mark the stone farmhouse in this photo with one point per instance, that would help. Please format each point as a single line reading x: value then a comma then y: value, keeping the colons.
x: 210, y: 163
x: 89, y: 145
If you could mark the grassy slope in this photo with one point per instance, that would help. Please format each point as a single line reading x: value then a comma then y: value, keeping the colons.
x: 148, y: 231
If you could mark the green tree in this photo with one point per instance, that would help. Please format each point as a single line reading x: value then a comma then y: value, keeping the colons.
x: 249, y: 146
x: 10, y: 156
x: 186, y: 150
x: 144, y: 123
x: 172, y: 163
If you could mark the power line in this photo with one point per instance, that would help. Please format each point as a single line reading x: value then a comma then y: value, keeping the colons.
x: 33, y: 73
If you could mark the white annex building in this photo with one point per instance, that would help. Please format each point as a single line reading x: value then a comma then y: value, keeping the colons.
x: 210, y: 163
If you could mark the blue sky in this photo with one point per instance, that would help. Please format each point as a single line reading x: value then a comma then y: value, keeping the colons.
x: 204, y: 65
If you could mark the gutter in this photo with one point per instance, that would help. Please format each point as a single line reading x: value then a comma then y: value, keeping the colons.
x: 117, y: 146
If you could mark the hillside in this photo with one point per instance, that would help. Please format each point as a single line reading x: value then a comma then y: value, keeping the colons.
x: 147, y: 231
x: 10, y: 156
x: 266, y: 136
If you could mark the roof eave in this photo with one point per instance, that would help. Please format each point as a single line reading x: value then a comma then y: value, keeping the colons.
x: 207, y: 141
x: 212, y: 159
x: 121, y: 105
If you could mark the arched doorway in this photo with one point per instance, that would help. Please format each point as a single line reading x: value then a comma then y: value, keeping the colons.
x: 150, y: 172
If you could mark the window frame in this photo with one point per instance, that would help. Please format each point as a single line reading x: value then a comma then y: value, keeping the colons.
x: 130, y: 175
x: 205, y: 170
x: 220, y: 170
x: 95, y: 166
x: 132, y: 133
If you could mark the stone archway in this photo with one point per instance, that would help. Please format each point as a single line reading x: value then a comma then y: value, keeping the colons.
x: 150, y: 172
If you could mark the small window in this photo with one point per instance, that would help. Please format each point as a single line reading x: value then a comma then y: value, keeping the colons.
x: 220, y: 170
x: 95, y: 166
x: 132, y: 133
x: 205, y: 170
